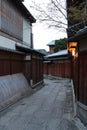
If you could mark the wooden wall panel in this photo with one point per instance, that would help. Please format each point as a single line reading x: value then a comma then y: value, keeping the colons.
x: 58, y: 68
x: 11, y: 63
x: 11, y: 20
x: 83, y: 79
x: 37, y: 68
x: 4, y: 67
x: 75, y: 77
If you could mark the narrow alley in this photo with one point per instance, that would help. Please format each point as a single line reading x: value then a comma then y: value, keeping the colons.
x: 49, y: 108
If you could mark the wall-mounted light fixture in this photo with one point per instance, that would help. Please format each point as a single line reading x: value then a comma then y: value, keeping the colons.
x: 73, y: 49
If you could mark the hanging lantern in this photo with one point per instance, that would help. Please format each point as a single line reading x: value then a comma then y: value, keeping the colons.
x: 72, y: 48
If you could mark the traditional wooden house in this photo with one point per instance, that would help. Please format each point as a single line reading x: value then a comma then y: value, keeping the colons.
x: 17, y: 56
x: 16, y: 37
x: 77, y: 47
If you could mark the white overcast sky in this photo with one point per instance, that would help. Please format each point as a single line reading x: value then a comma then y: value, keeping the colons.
x: 42, y: 35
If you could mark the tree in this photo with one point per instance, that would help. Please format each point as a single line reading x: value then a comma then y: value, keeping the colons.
x: 60, y: 44
x: 77, y: 12
x: 54, y: 13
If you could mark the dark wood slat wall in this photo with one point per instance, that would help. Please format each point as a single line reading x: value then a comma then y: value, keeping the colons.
x: 37, y: 68
x: 75, y: 76
x: 58, y: 68
x: 83, y: 78
x: 12, y: 63
x: 11, y: 20
x: 79, y: 76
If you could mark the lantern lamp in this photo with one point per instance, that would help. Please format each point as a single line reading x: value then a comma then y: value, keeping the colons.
x: 72, y: 48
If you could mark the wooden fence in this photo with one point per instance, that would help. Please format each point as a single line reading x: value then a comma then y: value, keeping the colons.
x: 14, y: 62
x: 60, y: 68
x: 79, y: 76
x: 37, y: 68
x: 83, y: 78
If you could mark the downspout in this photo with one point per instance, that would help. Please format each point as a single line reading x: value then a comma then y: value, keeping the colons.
x: 78, y: 73
x: 10, y: 63
x: 31, y: 81
x: 47, y: 69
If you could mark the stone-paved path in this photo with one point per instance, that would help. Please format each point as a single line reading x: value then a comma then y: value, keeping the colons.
x: 50, y: 108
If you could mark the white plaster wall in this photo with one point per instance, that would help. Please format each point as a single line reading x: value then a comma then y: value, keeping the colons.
x: 27, y: 32
x: 7, y: 43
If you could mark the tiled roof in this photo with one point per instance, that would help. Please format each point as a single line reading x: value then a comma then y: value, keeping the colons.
x: 51, y: 43
x: 59, y: 53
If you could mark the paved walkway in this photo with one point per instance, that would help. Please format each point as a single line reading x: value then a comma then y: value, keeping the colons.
x: 50, y: 108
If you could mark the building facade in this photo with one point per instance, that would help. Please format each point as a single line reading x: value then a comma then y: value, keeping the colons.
x: 15, y: 24
x: 16, y: 34
x: 77, y: 48
x: 18, y: 59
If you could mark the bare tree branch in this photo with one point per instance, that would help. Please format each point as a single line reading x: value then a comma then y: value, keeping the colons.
x: 54, y: 13
x: 60, y: 8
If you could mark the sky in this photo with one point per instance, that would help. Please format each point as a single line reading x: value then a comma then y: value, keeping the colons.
x: 41, y: 34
